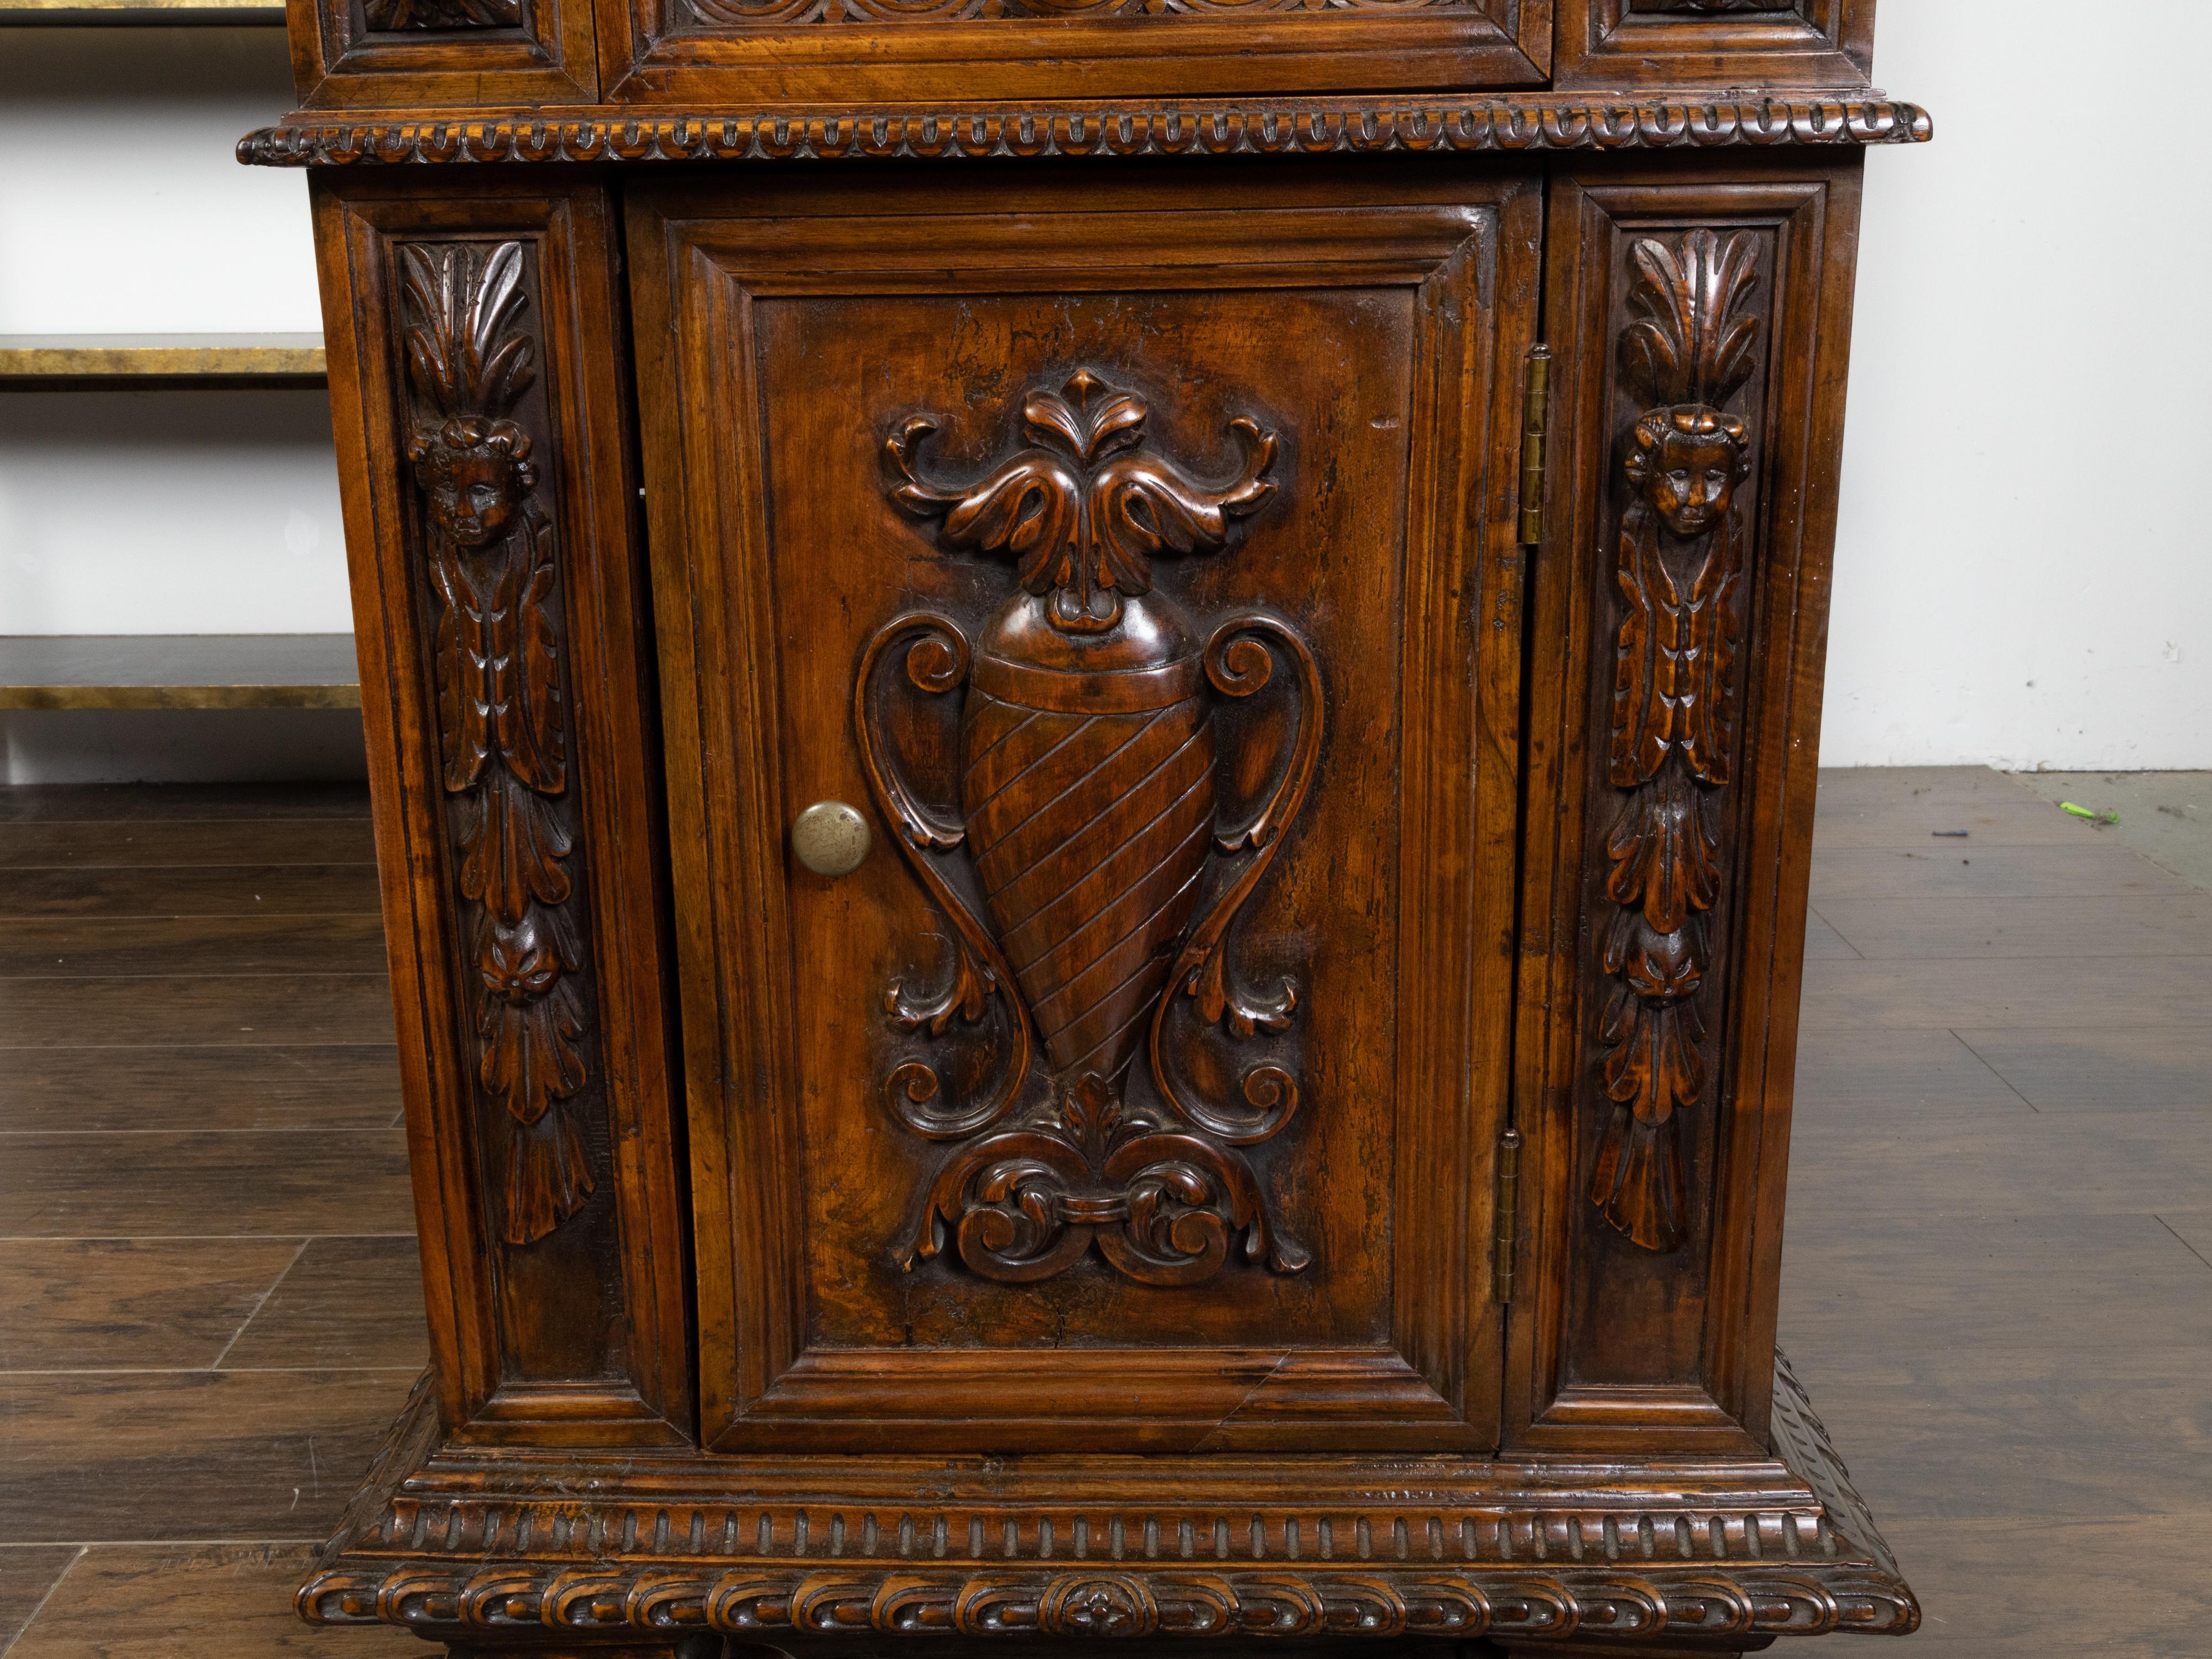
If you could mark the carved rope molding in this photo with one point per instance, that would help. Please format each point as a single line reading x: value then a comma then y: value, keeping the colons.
x: 493, y: 563
x: 1691, y: 345
x: 1319, y: 126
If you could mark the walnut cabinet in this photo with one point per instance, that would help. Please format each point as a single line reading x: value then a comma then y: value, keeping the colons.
x: 1092, y: 729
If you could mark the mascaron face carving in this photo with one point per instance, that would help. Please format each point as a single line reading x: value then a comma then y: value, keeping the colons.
x: 1687, y: 462
x: 474, y: 475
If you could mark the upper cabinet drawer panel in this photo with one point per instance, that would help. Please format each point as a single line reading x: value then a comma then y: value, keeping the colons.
x: 691, y: 51
x: 443, y: 54
x: 1703, y: 43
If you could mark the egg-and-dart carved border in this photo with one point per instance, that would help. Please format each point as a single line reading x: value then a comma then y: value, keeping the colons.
x: 1314, y: 127
x: 1106, y: 1602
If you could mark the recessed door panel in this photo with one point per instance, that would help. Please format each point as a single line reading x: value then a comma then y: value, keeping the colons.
x: 1098, y: 624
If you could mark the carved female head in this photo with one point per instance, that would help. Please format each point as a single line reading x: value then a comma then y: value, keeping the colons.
x: 1686, y: 461
x: 475, y: 473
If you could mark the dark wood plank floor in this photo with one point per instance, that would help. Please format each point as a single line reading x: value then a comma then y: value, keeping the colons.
x: 1998, y: 1280
x: 204, y: 1197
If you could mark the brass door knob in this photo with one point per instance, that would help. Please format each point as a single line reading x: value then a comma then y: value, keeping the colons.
x: 830, y: 838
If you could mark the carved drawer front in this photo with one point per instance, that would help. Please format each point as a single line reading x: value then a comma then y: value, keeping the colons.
x: 764, y: 50
x: 1091, y: 640
x: 1673, y: 43
x: 445, y: 53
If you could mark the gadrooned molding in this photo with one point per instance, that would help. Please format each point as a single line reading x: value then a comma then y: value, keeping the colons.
x: 527, y: 1557
x: 1322, y: 126
x: 1748, y: 1600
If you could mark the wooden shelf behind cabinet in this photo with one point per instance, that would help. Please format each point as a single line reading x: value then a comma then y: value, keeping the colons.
x: 64, y: 363
x: 178, y: 671
x: 156, y: 13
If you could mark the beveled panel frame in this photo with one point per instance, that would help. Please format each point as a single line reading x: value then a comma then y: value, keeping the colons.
x: 580, y: 1337
x: 673, y: 54
x: 339, y: 63
x: 1688, y: 1373
x: 1463, y: 240
x: 1802, y: 44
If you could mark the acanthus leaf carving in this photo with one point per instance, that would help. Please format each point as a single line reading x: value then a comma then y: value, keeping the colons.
x: 396, y: 16
x: 778, y: 13
x: 1691, y: 347
x: 1090, y: 902
x: 492, y: 565
x: 1711, y: 6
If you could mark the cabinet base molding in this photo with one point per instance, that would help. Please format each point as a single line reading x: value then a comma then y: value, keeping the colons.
x: 471, y: 1547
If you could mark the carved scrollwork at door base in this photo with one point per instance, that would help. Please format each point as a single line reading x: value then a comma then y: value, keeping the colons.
x: 1680, y: 570
x: 497, y: 658
x: 1099, y: 889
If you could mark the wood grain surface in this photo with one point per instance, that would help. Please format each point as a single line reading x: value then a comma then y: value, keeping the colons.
x: 210, y: 1302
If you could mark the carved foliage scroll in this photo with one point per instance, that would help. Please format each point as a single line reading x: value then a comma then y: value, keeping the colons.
x: 1680, y: 570
x: 396, y: 15
x: 493, y: 567
x: 1711, y: 6
x: 877, y: 13
x: 1098, y: 885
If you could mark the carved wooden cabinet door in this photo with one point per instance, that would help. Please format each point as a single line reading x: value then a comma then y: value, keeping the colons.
x: 1091, y: 649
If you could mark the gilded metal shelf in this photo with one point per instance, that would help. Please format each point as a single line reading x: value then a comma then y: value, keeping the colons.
x: 154, y: 13
x: 178, y: 671
x: 96, y: 361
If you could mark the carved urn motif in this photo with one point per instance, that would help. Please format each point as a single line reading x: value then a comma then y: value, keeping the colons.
x: 1089, y: 807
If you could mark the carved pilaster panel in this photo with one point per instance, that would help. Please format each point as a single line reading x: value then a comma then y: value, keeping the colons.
x: 1685, y: 558
x: 1679, y: 572
x: 504, y: 706
x: 499, y: 654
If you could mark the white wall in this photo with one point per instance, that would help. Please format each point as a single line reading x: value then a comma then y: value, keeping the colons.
x: 2023, y: 569
x: 123, y: 210
x: 2021, y: 577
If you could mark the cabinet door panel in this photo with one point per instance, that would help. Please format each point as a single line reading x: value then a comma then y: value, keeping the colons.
x: 1137, y: 568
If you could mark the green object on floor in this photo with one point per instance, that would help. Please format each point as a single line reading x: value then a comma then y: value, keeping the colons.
x: 2084, y: 812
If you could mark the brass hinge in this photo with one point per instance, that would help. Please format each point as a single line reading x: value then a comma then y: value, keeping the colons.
x: 1535, y: 421
x: 1509, y: 1215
